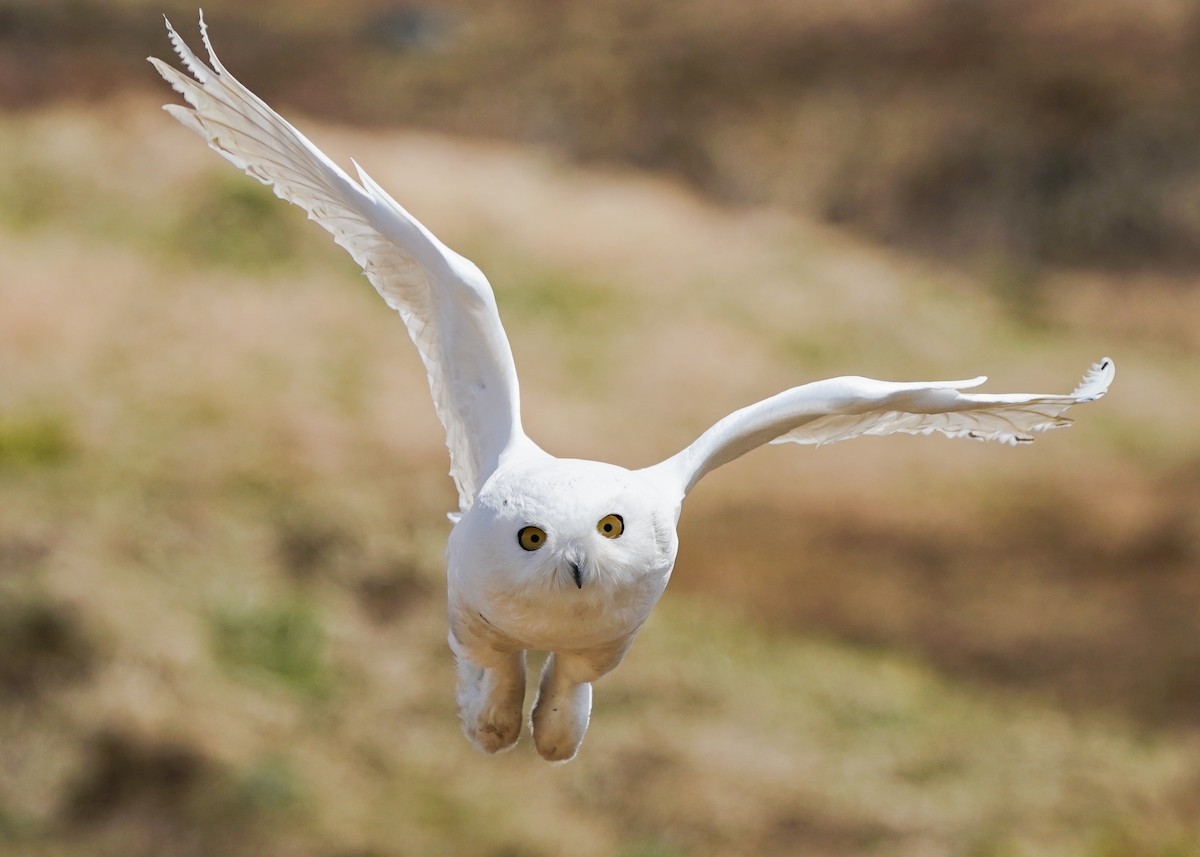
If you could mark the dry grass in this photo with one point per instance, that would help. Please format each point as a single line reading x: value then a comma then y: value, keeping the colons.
x: 1007, y: 135
x: 223, y: 494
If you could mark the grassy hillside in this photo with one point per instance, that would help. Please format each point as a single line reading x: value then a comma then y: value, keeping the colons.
x: 223, y: 493
x: 1006, y: 134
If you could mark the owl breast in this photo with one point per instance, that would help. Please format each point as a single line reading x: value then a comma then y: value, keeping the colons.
x: 558, y: 619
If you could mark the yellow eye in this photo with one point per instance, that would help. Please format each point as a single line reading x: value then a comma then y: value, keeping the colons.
x: 531, y: 538
x: 611, y: 526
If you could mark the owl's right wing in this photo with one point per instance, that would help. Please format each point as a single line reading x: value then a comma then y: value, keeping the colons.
x: 445, y: 301
x: 843, y: 408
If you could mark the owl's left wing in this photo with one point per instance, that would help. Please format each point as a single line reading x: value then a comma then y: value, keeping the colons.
x: 843, y: 408
x: 445, y: 301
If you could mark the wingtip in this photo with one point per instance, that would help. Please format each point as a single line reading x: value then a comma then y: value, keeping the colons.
x: 173, y: 34
x: 192, y: 62
x: 212, y: 54
x: 1096, y: 380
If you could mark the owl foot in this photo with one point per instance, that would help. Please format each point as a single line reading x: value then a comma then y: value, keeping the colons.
x: 490, y: 701
x: 560, y: 715
x: 494, y: 729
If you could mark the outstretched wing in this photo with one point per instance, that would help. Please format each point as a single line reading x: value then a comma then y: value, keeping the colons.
x: 842, y: 408
x: 445, y: 301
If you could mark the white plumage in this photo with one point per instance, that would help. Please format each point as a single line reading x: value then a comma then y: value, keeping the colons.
x: 550, y: 554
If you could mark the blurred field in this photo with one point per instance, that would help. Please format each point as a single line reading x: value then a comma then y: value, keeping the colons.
x: 1006, y: 134
x: 222, y: 498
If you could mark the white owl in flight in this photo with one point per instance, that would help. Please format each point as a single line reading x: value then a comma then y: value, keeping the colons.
x: 551, y: 554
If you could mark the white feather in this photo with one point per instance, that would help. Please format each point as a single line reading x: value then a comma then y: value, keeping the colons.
x: 843, y: 408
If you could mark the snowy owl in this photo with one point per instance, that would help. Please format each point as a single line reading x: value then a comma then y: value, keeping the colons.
x: 550, y: 554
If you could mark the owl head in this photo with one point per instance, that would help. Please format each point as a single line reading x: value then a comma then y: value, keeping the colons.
x: 567, y: 524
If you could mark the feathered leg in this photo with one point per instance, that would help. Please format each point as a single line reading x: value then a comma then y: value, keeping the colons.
x: 564, y: 702
x: 563, y: 707
x: 491, y: 698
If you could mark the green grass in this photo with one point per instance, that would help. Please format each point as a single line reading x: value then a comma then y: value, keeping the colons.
x: 270, y: 786
x: 562, y: 300
x: 229, y: 220
x: 285, y: 643
x: 580, y: 313
x: 35, y: 440
x: 34, y: 196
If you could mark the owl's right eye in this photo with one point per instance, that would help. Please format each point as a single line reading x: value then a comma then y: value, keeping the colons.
x: 531, y: 538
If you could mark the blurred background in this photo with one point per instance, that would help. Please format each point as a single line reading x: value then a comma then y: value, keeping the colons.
x: 223, y: 488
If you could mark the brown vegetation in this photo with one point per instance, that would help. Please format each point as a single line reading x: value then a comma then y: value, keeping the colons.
x: 1009, y: 135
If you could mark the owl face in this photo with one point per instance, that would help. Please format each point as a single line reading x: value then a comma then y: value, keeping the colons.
x: 563, y: 524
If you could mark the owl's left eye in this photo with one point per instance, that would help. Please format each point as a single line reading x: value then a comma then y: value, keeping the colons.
x: 611, y: 526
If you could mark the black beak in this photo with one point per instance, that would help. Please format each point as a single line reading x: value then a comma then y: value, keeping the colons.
x: 576, y: 574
